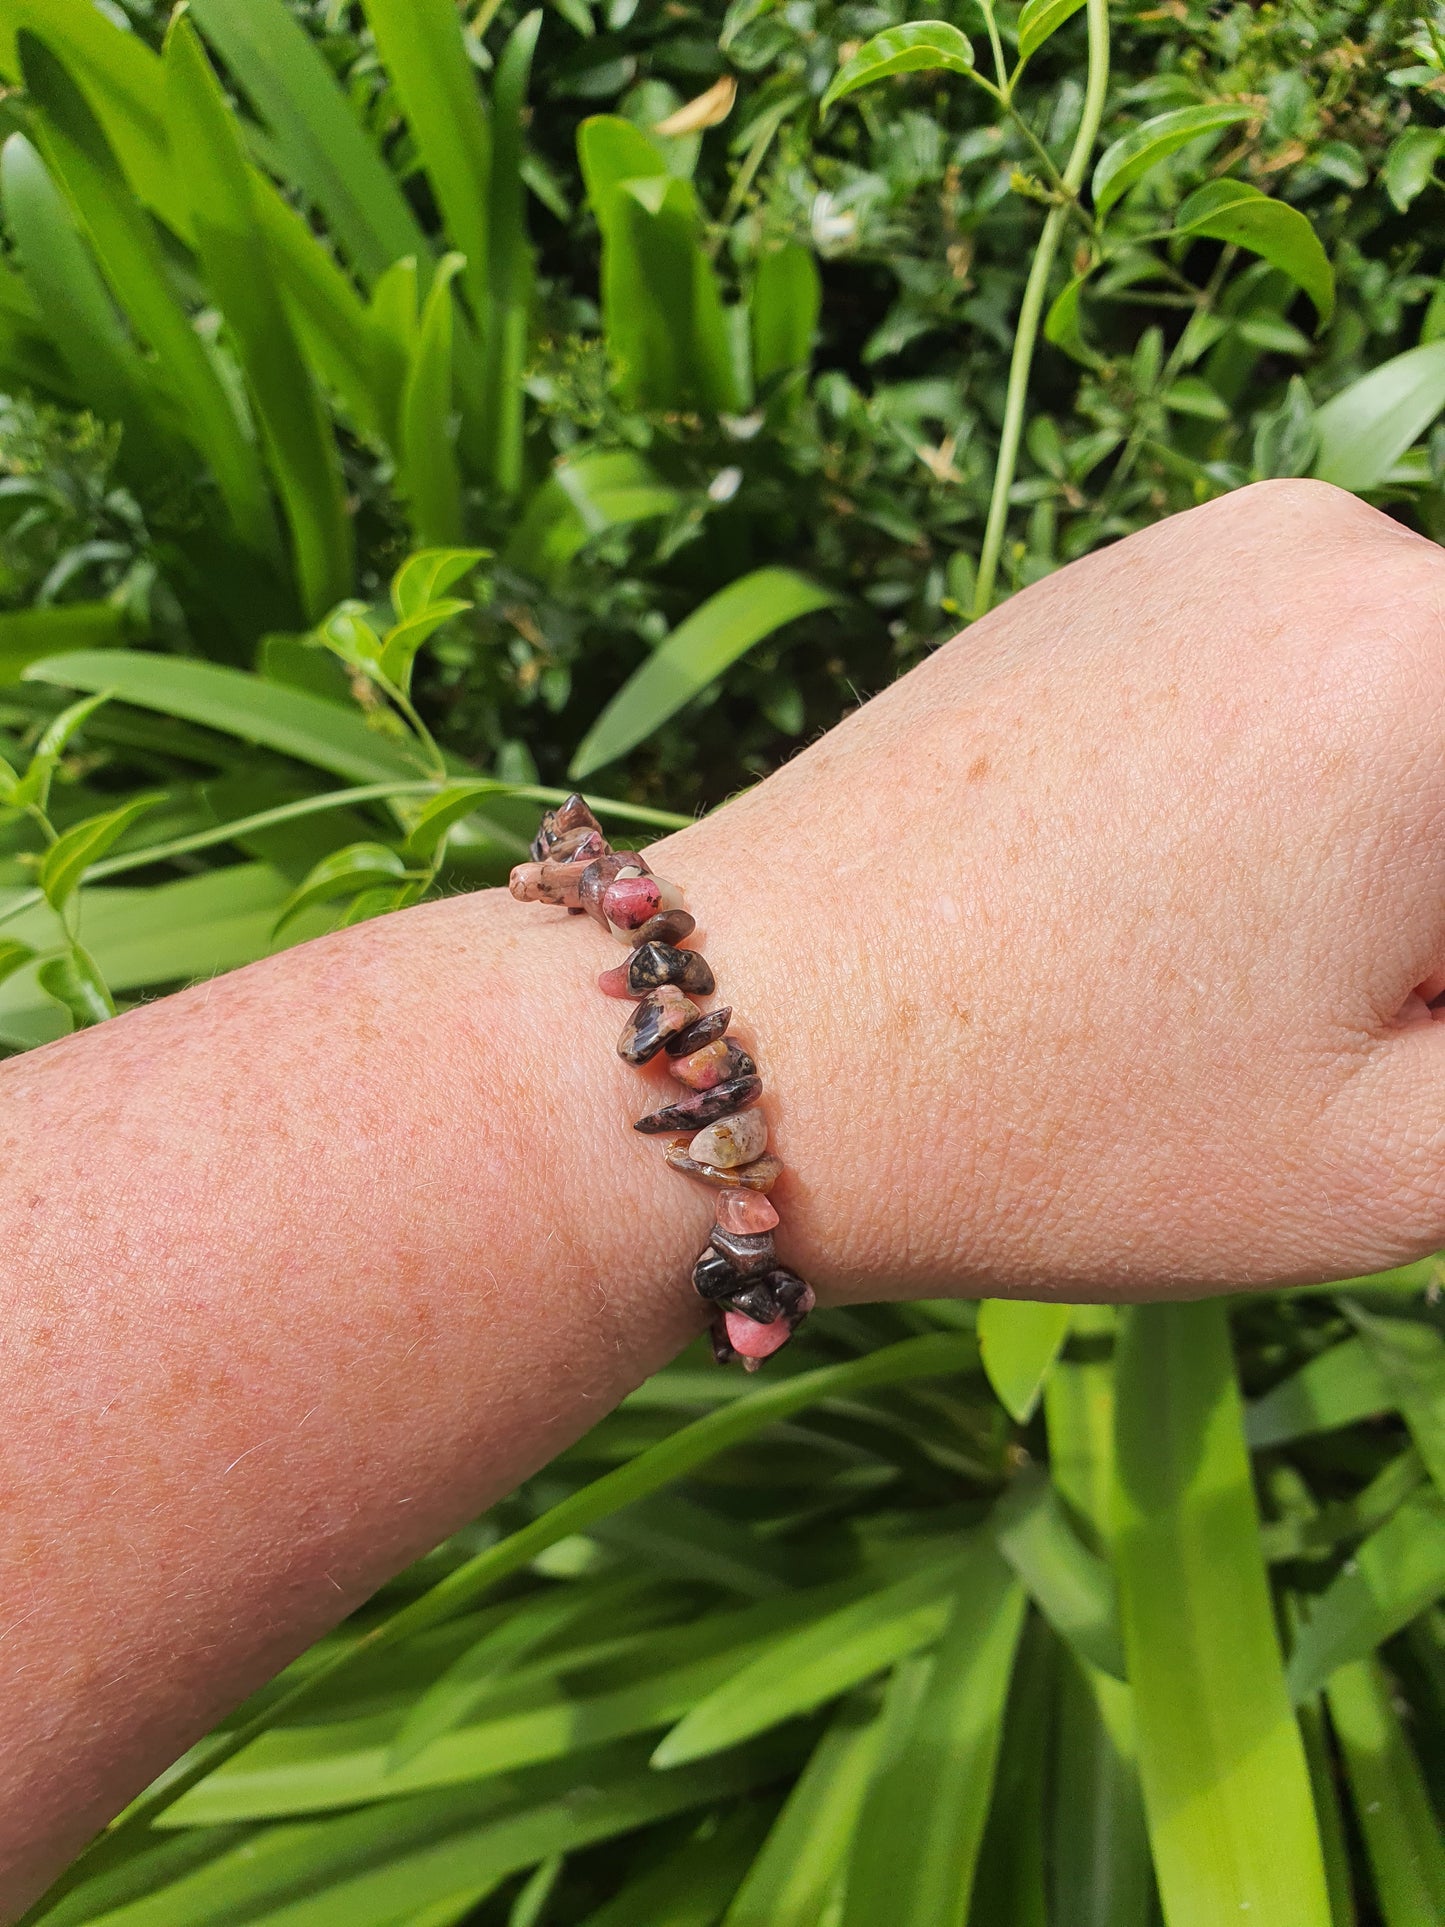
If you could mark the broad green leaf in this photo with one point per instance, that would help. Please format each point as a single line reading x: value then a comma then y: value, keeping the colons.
x: 361, y: 866
x: 1392, y: 1807
x: 1410, y: 164
x: 77, y: 985
x: 78, y: 313
x: 934, y: 1784
x: 289, y: 721
x: 1226, y: 1786
x: 510, y: 269
x: 315, y: 132
x: 330, y: 319
x: 1009, y: 1882
x: 130, y: 256
x: 427, y: 473
x: 799, y: 1673
x: 694, y: 655
x: 1072, y: 1587
x: 661, y: 1465
x: 1039, y: 20
x: 1079, y: 1411
x: 1328, y: 1813
x: 427, y: 576
x: 923, y: 46
x: 1153, y: 141
x: 1393, y: 1575
x: 421, y: 46
x: 1410, y: 1357
x: 402, y: 642
x: 1235, y: 212
x: 666, y: 331
x: 1338, y: 1387
x: 790, y: 1881
x: 1366, y: 428
x: 231, y: 242
x: 1018, y: 1341
x: 787, y: 300
x: 71, y: 855
x: 29, y: 635
x: 1063, y: 324
x: 584, y: 496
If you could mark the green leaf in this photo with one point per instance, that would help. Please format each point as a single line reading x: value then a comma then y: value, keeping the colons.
x: 33, y: 789
x: 231, y: 242
x: 130, y: 255
x: 798, y: 1673
x: 1226, y: 1786
x: 1039, y: 20
x: 1072, y: 1586
x: 1410, y: 1357
x: 401, y: 642
x: 1392, y: 1806
x: 427, y: 471
x: 421, y: 46
x: 360, y: 866
x: 13, y: 956
x: 922, y: 46
x: 694, y: 655
x: 1410, y: 164
x: 786, y: 302
x: 790, y: 1881
x: 1019, y: 1340
x: 1339, y: 1387
x: 315, y: 133
x: 1153, y: 141
x: 1063, y: 324
x: 426, y: 576
x: 934, y: 1782
x: 692, y: 1886
x: 1366, y: 428
x: 79, y: 316
x: 71, y: 855
x: 1101, y: 1866
x: 1394, y: 1575
x: 584, y: 496
x: 29, y: 635
x: 289, y: 721
x: 441, y: 812
x: 75, y: 983
x: 1232, y: 211
x: 510, y: 268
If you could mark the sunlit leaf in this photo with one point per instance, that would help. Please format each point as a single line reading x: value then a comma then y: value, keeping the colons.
x: 1368, y: 425
x: 426, y: 576
x: 1235, y: 212
x: 1039, y: 20
x: 1393, y: 1575
x: 359, y: 867
x: 1392, y: 1807
x: 1018, y: 1340
x: 65, y: 863
x: 75, y: 983
x: 923, y: 46
x: 1153, y: 141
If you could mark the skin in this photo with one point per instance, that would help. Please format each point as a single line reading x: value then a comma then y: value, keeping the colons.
x: 1094, y: 958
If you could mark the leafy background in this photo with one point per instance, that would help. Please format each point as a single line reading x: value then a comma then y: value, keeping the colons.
x: 496, y: 400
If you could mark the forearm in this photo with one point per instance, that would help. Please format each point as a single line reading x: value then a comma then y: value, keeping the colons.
x: 304, y: 1268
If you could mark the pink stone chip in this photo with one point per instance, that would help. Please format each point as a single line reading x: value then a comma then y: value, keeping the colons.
x: 746, y: 1212
x: 749, y: 1339
x: 613, y: 983
x: 631, y: 901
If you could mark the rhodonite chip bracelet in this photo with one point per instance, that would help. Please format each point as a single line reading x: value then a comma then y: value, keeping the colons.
x: 757, y: 1304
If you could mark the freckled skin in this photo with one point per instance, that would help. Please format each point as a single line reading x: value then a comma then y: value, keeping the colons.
x: 301, y: 1270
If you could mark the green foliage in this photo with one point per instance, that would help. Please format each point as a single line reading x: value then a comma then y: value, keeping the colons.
x: 407, y: 404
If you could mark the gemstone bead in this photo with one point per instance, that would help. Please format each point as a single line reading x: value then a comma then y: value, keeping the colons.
x: 745, y: 1212
x: 761, y: 1175
x: 659, y: 1016
x: 630, y: 902
x: 525, y: 882
x: 602, y: 872
x: 715, y: 1063
x: 659, y: 963
x: 573, y: 814
x: 751, y: 1341
x: 613, y: 983
x: 731, y: 1141
x: 702, y: 1107
x: 668, y: 926
x: 700, y: 1033
x: 746, y: 1251
x: 713, y: 1277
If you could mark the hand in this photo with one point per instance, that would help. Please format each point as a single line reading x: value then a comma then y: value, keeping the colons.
x: 1094, y: 956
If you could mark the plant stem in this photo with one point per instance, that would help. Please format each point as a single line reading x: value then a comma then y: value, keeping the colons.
x: 1031, y: 311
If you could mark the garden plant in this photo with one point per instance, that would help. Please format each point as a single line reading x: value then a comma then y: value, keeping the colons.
x: 413, y: 409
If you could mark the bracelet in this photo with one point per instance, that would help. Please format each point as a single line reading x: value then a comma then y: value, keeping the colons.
x: 757, y: 1304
